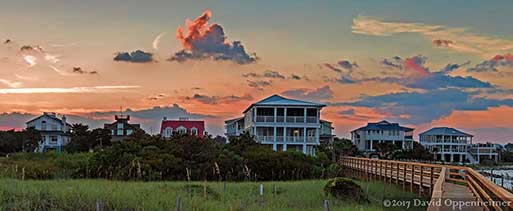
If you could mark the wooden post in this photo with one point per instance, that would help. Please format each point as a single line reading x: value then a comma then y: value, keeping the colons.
x: 431, y: 180
x: 404, y: 176
x: 397, y: 174
x: 412, y: 177
x: 421, y: 178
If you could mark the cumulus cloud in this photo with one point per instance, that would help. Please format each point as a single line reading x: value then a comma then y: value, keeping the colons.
x: 493, y: 64
x: 204, y: 41
x: 137, y: 56
x: 424, y: 107
x: 456, y: 39
x: 322, y: 93
x: 213, y: 100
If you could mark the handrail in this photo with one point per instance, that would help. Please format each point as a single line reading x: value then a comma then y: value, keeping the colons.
x: 415, y: 173
x: 438, y: 190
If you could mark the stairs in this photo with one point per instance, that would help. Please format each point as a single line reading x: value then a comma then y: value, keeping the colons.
x: 471, y: 158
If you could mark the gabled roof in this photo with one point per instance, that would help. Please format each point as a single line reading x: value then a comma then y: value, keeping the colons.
x: 445, y: 131
x: 384, y: 125
x: 233, y: 120
x: 49, y: 116
x: 277, y: 100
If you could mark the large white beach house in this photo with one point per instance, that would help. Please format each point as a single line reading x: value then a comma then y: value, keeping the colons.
x: 54, y: 131
x: 366, y: 138
x: 283, y: 124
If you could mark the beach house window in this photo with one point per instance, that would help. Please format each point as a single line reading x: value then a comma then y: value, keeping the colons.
x: 120, y: 129
x: 181, y: 130
x: 53, y: 139
x: 168, y: 132
x: 194, y: 131
x: 43, y: 125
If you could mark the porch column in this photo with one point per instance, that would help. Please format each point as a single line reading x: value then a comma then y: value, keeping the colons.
x: 274, y: 134
x: 284, y: 114
x: 304, y: 114
x: 304, y: 137
x: 452, y: 157
x: 285, y: 138
x: 275, y: 114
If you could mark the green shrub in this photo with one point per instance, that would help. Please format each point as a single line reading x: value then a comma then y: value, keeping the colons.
x: 344, y: 189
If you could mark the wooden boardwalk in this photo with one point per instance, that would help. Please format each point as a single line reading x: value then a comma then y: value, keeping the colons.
x: 448, y: 184
x: 458, y: 192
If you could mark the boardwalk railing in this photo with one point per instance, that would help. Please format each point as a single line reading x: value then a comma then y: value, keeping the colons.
x: 431, y: 177
x: 438, y: 190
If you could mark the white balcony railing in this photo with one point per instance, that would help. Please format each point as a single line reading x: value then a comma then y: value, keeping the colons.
x: 289, y: 119
x: 289, y: 139
x: 265, y: 119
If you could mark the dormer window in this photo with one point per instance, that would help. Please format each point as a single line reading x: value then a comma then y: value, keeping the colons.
x: 43, y: 125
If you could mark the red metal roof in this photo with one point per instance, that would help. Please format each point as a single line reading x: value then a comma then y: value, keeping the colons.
x: 188, y: 124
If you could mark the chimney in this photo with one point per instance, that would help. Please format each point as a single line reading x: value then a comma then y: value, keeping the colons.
x: 165, y: 118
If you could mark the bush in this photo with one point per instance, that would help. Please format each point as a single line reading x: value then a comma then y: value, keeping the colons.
x: 345, y: 189
x: 334, y: 170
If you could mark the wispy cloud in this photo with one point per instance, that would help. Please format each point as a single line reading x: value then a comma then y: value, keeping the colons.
x: 457, y: 39
x: 91, y: 89
x: 156, y: 41
x: 30, y: 60
x: 11, y: 84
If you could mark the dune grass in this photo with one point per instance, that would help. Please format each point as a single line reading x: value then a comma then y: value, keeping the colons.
x: 117, y: 195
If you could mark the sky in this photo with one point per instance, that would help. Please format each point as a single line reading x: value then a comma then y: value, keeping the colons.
x: 420, y: 63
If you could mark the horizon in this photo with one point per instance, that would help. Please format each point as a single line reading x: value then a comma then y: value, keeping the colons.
x: 419, y: 64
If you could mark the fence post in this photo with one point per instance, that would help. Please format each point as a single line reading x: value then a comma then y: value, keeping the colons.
x: 326, y: 205
x: 99, y: 206
x: 261, y: 189
x: 179, y: 203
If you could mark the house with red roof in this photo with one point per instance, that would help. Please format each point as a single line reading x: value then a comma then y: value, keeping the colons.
x: 182, y: 126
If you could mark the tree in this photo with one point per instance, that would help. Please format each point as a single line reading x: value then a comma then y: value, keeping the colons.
x: 386, y: 149
x: 509, y: 147
x: 418, y: 152
x: 338, y: 147
x: 83, y: 139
